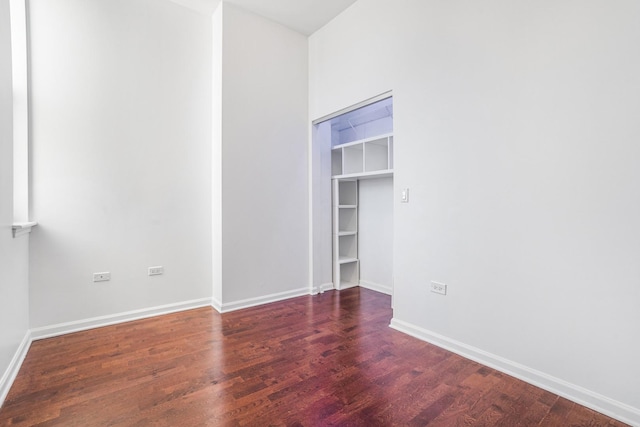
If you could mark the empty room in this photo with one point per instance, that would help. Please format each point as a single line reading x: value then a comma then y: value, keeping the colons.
x: 345, y: 212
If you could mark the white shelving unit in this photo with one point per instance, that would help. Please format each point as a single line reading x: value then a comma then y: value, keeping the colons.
x: 350, y: 162
x: 345, y: 233
x: 371, y: 157
x: 353, y: 149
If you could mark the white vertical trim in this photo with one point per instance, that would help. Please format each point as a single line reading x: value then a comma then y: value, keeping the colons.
x: 312, y: 289
x: 19, y: 60
x: 216, y: 154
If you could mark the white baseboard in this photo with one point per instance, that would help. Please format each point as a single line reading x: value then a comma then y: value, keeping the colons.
x: 9, y: 376
x: 112, y: 319
x: 252, y: 302
x: 376, y: 287
x: 217, y: 305
x: 346, y: 285
x: 573, y: 392
x: 326, y: 287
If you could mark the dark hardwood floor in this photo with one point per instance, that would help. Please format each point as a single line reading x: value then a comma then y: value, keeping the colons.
x: 329, y: 359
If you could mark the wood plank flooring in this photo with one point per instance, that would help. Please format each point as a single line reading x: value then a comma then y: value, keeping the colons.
x: 322, y: 360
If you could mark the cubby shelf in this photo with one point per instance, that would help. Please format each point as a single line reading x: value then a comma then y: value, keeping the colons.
x: 367, y: 175
x: 349, y: 274
x: 345, y: 233
x: 370, y: 157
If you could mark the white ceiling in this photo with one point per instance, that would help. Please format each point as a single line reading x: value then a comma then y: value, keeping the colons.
x: 304, y: 16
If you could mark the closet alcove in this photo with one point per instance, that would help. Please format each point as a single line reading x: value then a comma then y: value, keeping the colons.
x: 352, y: 197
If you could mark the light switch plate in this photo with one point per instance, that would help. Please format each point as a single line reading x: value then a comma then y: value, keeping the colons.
x: 404, y: 196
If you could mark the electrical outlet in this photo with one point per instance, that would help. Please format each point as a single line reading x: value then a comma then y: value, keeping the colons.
x: 439, y: 288
x: 156, y: 271
x: 102, y: 277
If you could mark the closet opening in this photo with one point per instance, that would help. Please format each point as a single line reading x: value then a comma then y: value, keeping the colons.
x: 352, y: 198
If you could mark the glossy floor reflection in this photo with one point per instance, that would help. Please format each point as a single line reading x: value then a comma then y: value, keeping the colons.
x: 329, y: 359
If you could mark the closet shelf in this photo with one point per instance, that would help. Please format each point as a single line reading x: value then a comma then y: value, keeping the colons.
x: 362, y: 141
x: 367, y: 175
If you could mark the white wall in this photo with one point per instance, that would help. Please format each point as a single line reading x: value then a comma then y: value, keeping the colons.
x: 265, y: 216
x: 516, y: 130
x: 14, y: 287
x: 375, y: 233
x: 121, y: 134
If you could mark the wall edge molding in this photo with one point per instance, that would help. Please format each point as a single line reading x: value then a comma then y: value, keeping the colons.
x: 387, y: 290
x: 345, y: 285
x: 318, y: 289
x: 253, y: 302
x: 217, y: 305
x: 573, y: 392
x: 113, y: 319
x: 10, y: 374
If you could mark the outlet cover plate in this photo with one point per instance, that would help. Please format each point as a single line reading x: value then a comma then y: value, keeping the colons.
x: 439, y: 288
x: 156, y: 271
x: 102, y: 277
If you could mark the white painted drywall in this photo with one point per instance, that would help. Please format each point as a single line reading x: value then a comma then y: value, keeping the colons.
x: 516, y: 130
x: 121, y: 150
x: 14, y: 286
x: 375, y: 233
x: 265, y: 219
